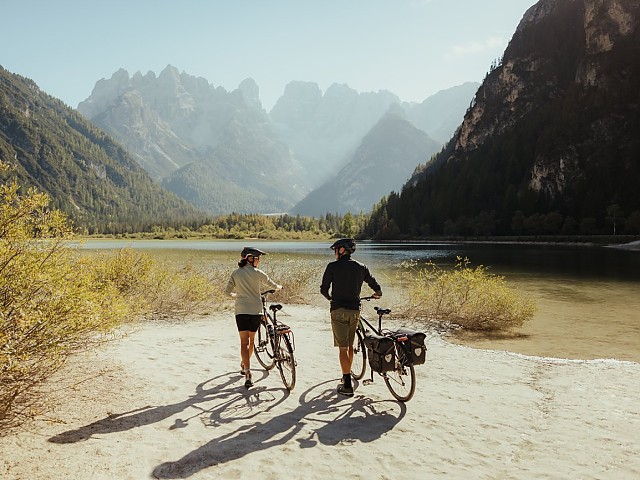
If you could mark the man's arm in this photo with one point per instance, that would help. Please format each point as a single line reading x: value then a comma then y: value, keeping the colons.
x: 373, y: 284
x: 326, y: 283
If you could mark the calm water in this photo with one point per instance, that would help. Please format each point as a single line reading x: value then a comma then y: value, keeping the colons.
x: 588, y: 298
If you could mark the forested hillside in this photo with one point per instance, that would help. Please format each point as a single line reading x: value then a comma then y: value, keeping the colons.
x: 85, y: 172
x: 551, y: 144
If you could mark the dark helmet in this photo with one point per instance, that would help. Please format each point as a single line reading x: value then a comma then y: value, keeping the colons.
x: 349, y: 244
x: 254, y: 252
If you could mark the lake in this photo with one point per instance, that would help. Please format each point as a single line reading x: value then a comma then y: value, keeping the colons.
x: 588, y: 297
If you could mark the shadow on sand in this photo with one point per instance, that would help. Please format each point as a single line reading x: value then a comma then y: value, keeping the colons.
x: 328, y: 419
x: 223, y: 389
x: 322, y: 416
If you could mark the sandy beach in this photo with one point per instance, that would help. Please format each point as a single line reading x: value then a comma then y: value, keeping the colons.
x: 167, y: 401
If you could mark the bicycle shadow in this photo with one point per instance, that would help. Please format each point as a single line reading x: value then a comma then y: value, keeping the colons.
x: 342, y: 424
x: 364, y: 420
x: 149, y: 414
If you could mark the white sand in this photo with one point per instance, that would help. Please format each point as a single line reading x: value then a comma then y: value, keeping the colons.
x: 167, y: 401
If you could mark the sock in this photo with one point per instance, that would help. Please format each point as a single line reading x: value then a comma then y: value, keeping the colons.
x: 346, y: 377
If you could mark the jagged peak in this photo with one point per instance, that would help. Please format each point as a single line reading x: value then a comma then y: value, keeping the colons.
x: 170, y: 70
x: 339, y: 89
x: 120, y: 75
x: 170, y: 76
x: 250, y: 92
x: 249, y: 88
x: 396, y: 110
x: 537, y: 12
x: 299, y: 86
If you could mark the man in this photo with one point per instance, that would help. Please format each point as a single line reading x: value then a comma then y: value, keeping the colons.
x: 345, y: 277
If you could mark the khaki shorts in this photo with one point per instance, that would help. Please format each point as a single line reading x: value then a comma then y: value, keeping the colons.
x: 343, y: 324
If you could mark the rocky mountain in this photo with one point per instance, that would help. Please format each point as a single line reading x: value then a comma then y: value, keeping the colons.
x: 551, y: 144
x: 324, y: 130
x: 384, y: 160
x: 442, y: 113
x: 87, y: 175
x: 215, y: 148
x: 222, y: 152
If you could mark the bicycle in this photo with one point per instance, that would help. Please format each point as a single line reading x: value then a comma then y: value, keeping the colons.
x: 274, y: 343
x: 399, y: 355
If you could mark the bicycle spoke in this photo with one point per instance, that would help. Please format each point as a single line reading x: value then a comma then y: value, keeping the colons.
x: 401, y: 382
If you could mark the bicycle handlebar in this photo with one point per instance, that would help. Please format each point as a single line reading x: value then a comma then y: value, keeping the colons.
x: 268, y: 291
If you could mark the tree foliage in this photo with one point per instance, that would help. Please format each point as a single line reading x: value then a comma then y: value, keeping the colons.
x: 48, y: 307
x: 550, y: 144
x: 55, y: 302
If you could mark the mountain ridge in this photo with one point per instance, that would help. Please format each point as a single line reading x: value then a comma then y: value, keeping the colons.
x: 192, y: 136
x: 383, y: 161
x: 86, y: 174
x: 550, y: 144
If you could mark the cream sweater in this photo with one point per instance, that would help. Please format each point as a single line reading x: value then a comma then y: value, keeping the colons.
x: 247, y: 283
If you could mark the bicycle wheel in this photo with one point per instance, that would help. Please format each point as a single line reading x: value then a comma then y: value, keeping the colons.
x: 359, y: 364
x: 263, y: 347
x: 401, y: 381
x: 286, y: 362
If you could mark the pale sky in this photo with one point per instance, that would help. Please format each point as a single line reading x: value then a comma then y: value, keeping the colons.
x: 413, y: 48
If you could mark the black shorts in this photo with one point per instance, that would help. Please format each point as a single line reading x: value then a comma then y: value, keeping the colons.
x: 248, y: 322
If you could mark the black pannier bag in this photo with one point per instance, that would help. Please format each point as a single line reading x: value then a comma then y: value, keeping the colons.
x: 380, y: 351
x: 415, y: 344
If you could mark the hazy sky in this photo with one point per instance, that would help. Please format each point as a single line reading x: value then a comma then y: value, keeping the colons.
x: 412, y: 48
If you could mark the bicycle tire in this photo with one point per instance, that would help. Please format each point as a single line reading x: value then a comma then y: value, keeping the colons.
x: 401, y: 381
x: 263, y: 347
x: 286, y: 362
x: 359, y: 363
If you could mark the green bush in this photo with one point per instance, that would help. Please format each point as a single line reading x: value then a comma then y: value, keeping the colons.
x: 49, y: 307
x: 466, y: 297
x: 55, y: 302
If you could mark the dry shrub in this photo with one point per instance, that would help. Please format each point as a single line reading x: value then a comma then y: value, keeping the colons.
x: 300, y: 278
x: 157, y: 289
x: 468, y: 298
x: 49, y: 308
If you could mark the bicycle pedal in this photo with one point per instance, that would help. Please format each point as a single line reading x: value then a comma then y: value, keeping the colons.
x: 367, y: 382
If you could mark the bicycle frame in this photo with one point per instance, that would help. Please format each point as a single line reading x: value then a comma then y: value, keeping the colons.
x: 276, y: 348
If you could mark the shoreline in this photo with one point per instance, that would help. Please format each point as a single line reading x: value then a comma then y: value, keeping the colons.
x: 508, y: 240
x: 166, y: 401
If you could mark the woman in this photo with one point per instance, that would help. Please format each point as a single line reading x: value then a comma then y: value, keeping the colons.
x: 245, y: 285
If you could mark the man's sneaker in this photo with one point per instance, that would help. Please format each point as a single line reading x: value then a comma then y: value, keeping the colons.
x: 344, y: 390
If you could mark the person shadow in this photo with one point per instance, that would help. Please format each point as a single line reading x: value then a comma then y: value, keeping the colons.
x: 340, y: 421
x: 220, y: 388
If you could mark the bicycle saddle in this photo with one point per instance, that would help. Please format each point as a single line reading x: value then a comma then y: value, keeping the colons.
x: 275, y: 308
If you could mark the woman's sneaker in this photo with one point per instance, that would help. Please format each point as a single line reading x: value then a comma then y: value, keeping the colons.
x: 248, y: 381
x: 344, y: 390
x: 242, y: 370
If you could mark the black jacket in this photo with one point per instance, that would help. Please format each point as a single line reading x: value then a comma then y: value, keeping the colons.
x: 345, y: 277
